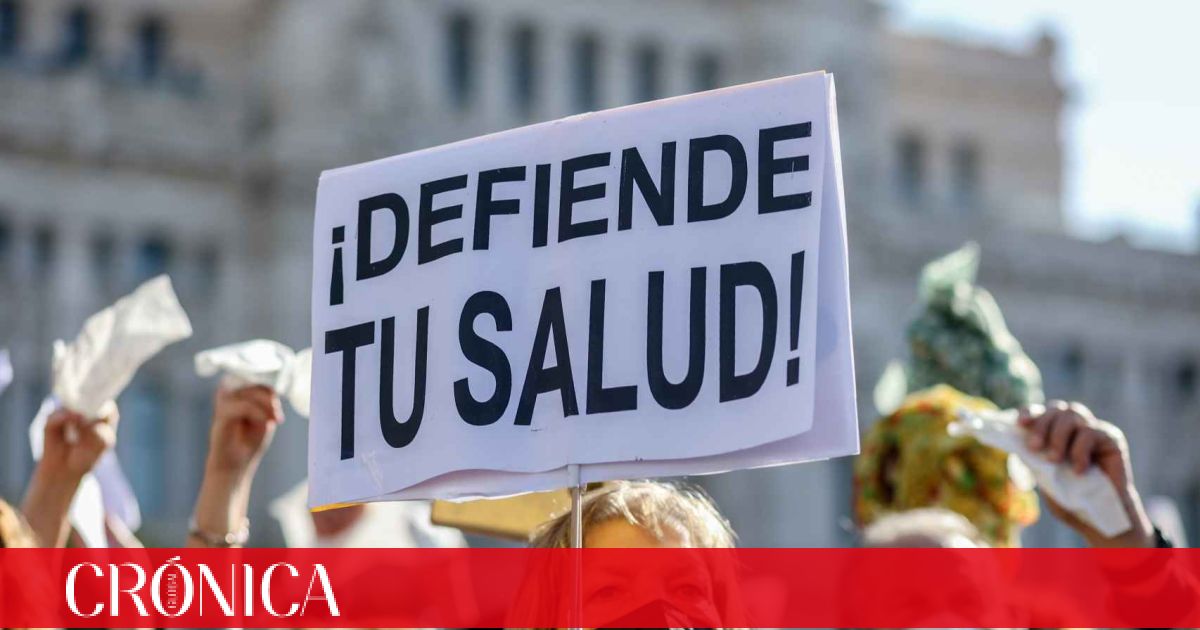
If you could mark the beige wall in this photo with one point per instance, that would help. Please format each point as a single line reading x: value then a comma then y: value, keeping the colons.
x: 1007, y: 105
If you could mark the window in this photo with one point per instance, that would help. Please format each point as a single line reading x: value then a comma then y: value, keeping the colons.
x: 460, y: 59
x: 104, y: 262
x: 585, y: 70
x: 44, y: 245
x: 151, y: 47
x: 10, y: 28
x: 144, y: 423
x: 706, y: 72
x: 153, y: 258
x: 37, y: 388
x: 524, y: 73
x: 1185, y: 381
x: 648, y: 71
x: 77, y: 36
x: 965, y: 176
x: 207, y: 271
x: 1191, y: 503
x: 911, y: 174
x: 5, y: 242
x: 1072, y: 368
x: 104, y: 248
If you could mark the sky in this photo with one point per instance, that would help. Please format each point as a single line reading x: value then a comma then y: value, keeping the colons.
x: 1131, y: 128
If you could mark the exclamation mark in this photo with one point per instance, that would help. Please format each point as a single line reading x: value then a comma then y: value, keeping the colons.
x: 793, y: 364
x: 335, y: 282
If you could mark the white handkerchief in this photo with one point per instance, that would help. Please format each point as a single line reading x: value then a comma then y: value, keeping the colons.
x: 89, y: 374
x: 1089, y: 496
x: 120, y: 502
x: 6, y: 371
x: 114, y: 343
x: 262, y: 362
x: 299, y: 391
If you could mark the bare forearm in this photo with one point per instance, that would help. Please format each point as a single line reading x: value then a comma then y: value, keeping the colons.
x: 47, y: 502
x: 222, y: 504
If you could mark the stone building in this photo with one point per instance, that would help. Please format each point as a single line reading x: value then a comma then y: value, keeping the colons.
x: 142, y: 136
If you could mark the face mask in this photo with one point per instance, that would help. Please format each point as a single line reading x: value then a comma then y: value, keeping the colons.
x: 656, y: 614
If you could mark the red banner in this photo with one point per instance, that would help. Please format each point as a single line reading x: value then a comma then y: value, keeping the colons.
x: 650, y: 588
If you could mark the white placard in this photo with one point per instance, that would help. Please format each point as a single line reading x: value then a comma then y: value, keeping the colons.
x: 635, y: 290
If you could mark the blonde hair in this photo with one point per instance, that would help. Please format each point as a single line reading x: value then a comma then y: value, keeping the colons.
x: 664, y: 510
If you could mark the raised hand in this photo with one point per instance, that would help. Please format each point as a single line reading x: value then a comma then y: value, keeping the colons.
x: 244, y: 423
x: 72, y: 444
x: 1069, y: 433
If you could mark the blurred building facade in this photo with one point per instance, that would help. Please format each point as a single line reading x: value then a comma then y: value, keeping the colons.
x: 148, y: 136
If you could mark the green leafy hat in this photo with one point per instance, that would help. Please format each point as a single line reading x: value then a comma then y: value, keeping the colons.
x: 959, y: 339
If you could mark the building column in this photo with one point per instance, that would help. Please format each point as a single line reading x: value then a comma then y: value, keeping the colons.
x: 1137, y: 416
x: 491, y: 63
x: 74, y: 279
x: 125, y: 260
x: 553, y: 97
x: 676, y: 69
x: 615, y: 70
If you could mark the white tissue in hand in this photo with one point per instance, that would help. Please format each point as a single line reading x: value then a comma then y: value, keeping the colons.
x: 256, y: 362
x: 89, y: 374
x: 1090, y: 496
x: 299, y: 391
x: 263, y: 362
x: 86, y: 513
x: 105, y: 491
x: 114, y: 343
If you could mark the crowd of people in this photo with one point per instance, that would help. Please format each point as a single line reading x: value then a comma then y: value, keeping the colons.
x: 917, y: 484
x: 618, y: 514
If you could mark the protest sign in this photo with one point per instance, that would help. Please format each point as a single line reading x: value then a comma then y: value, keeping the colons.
x: 656, y: 289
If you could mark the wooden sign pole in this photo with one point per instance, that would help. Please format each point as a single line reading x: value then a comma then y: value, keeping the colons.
x: 576, y: 540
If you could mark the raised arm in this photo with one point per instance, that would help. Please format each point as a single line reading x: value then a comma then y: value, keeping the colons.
x: 1070, y: 433
x: 244, y: 422
x: 73, y: 445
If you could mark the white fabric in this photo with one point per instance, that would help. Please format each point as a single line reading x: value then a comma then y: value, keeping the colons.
x: 262, y: 362
x: 1090, y: 496
x: 117, y: 494
x: 6, y: 371
x: 1164, y: 513
x: 114, y: 343
x: 90, y: 373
